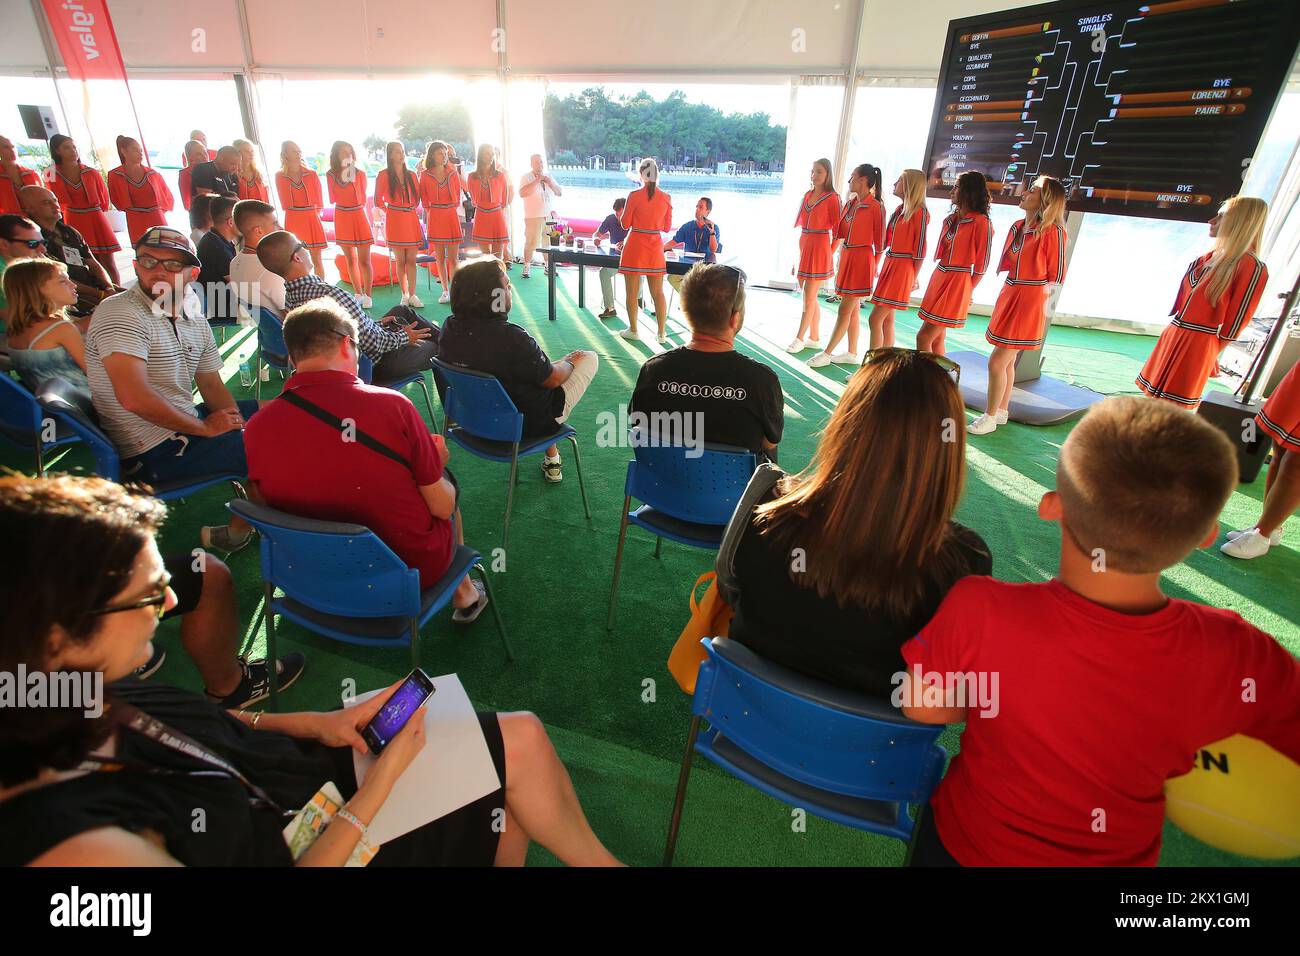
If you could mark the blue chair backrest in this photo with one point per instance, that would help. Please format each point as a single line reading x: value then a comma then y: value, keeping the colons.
x: 703, y: 489
x: 478, y: 403
x: 790, y: 723
x: 365, y: 368
x: 20, y: 413
x: 107, y: 462
x: 270, y: 338
x: 333, y: 567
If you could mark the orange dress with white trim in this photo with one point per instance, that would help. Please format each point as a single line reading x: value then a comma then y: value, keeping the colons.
x: 1280, y: 416
x: 963, y: 256
x: 351, y: 224
x: 9, y: 193
x: 146, y: 202
x: 818, y: 218
x: 401, y: 205
x: 301, y: 202
x: 646, y: 219
x: 862, y: 228
x: 1032, y: 260
x: 489, y: 208
x: 83, y: 207
x: 904, y: 253
x: 441, y: 199
x: 1187, y: 351
x: 256, y: 189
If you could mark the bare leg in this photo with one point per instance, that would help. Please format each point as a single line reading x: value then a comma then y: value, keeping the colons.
x: 926, y: 336
x: 106, y: 260
x: 318, y: 262
x: 466, y: 594
x: 841, y: 322
x: 512, y: 848
x: 999, y: 373
x: 810, y: 322
x: 1011, y: 381
x: 540, y: 795
x: 1283, y: 494
x: 882, y: 327
x: 854, y: 303
x: 210, y: 632
x: 632, y: 283
x: 656, y: 284
x: 939, y: 346
x: 367, y: 271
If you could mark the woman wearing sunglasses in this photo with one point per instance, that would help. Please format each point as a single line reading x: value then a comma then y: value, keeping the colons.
x: 117, y: 784
x: 831, y: 573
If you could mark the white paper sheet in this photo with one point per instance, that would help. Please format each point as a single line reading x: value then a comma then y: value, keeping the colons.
x: 453, y: 769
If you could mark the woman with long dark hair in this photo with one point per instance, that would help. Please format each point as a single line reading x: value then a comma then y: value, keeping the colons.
x: 646, y: 216
x: 819, y: 214
x: 397, y: 195
x: 83, y: 197
x: 138, y: 190
x: 113, y: 779
x: 965, y: 246
x: 347, y: 189
x: 834, y: 577
x: 490, y: 192
x: 441, y: 190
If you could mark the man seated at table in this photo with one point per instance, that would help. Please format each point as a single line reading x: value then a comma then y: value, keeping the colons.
x: 612, y: 230
x: 701, y: 237
x: 217, y: 176
x: 710, y: 392
x: 64, y: 243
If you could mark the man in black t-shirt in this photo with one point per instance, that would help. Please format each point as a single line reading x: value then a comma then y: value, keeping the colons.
x: 216, y: 250
x: 217, y: 176
x: 734, y: 399
x: 65, y: 244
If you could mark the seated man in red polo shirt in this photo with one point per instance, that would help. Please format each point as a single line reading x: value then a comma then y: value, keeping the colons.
x: 398, y: 490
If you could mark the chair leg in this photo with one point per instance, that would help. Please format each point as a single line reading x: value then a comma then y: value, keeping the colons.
x: 271, y: 657
x: 415, y: 642
x: 659, y: 545
x: 510, y: 494
x: 40, y: 456
x: 675, y: 823
x: 428, y: 403
x: 257, y: 372
x: 496, y: 611
x: 577, y: 460
x: 618, y: 563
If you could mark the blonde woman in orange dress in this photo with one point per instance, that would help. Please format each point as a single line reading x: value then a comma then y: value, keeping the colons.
x: 490, y: 191
x: 252, y: 184
x: 138, y: 190
x: 83, y: 197
x: 646, y: 217
x: 299, y: 190
x: 819, y: 214
x: 352, y: 233
x: 397, y: 194
x: 441, y: 188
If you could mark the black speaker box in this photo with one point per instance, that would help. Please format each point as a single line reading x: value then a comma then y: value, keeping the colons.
x: 1237, y: 421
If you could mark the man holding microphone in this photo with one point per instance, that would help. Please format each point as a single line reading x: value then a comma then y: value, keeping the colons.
x: 701, y: 236
x: 538, y: 191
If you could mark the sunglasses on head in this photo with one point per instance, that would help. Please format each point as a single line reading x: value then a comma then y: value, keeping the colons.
x: 947, y: 364
x: 158, y: 601
x: 740, y: 285
x: 171, y: 265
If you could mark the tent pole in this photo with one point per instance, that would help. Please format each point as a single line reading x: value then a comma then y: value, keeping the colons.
x: 850, y: 98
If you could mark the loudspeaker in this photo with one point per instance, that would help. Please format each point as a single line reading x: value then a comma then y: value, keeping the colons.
x: 38, y: 122
x: 1237, y: 421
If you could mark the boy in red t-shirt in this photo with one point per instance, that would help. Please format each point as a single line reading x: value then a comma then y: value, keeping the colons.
x: 1102, y: 687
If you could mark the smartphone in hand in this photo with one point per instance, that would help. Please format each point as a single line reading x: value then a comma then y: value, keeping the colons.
x: 397, y: 710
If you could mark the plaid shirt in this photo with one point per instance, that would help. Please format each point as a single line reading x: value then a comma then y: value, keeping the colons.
x: 376, y: 341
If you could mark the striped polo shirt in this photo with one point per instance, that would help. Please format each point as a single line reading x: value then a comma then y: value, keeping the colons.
x: 173, y: 352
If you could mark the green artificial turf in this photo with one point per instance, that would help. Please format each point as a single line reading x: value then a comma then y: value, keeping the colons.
x: 617, y: 718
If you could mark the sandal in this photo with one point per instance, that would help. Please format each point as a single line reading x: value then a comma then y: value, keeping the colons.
x: 468, y: 615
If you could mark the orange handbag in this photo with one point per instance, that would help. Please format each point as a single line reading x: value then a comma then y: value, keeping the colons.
x: 710, y: 617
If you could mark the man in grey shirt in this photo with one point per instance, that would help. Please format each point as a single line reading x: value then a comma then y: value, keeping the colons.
x: 146, y: 351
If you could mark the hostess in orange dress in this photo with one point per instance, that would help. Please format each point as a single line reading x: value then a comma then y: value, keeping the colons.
x: 9, y: 193
x: 1280, y: 416
x: 818, y: 217
x: 963, y: 256
x: 905, y: 239
x: 83, y: 207
x: 401, y: 205
x: 862, y: 229
x: 254, y: 189
x: 489, y: 208
x: 441, y: 199
x: 1032, y: 259
x: 646, y: 220
x: 1187, y: 351
x: 146, y: 202
x: 351, y: 223
x: 301, y: 202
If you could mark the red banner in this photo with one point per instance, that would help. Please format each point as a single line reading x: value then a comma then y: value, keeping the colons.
x: 84, y: 32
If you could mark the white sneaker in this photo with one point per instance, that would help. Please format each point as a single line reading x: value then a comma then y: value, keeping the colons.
x: 795, y: 346
x: 1252, y: 544
x: 1274, y: 539
x: 405, y: 300
x: 631, y: 335
x: 663, y: 340
x: 415, y: 302
x: 820, y: 360
x: 982, y: 425
x: 844, y: 358
x: 444, y: 298
x: 526, y: 274
x: 1003, y: 416
x: 265, y: 374
x: 813, y: 343
x: 367, y: 302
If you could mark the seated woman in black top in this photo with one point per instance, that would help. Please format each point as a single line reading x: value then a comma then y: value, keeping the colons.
x: 479, y: 335
x: 84, y: 595
x: 843, y: 564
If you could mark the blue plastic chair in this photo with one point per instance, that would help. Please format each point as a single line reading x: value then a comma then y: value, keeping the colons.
x: 836, y: 753
x: 685, y: 499
x: 342, y: 581
x: 366, y: 372
x: 24, y: 424
x: 107, y: 462
x: 271, y: 350
x: 481, y: 418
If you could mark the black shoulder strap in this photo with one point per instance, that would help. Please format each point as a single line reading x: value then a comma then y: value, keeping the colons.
x: 329, y: 418
x: 760, y: 484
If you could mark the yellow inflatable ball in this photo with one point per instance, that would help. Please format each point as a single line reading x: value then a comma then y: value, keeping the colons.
x: 1241, y: 796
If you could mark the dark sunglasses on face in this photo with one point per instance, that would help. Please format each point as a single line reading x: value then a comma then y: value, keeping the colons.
x: 945, y: 363
x: 29, y: 243
x: 157, y: 601
x: 171, y: 265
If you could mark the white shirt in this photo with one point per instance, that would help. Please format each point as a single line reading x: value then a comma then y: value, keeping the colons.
x: 256, y: 285
x: 540, y: 203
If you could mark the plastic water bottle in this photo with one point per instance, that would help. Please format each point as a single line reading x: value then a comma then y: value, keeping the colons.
x: 245, y: 374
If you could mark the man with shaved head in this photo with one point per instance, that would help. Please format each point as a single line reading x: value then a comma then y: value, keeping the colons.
x: 217, y: 176
x: 64, y: 243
